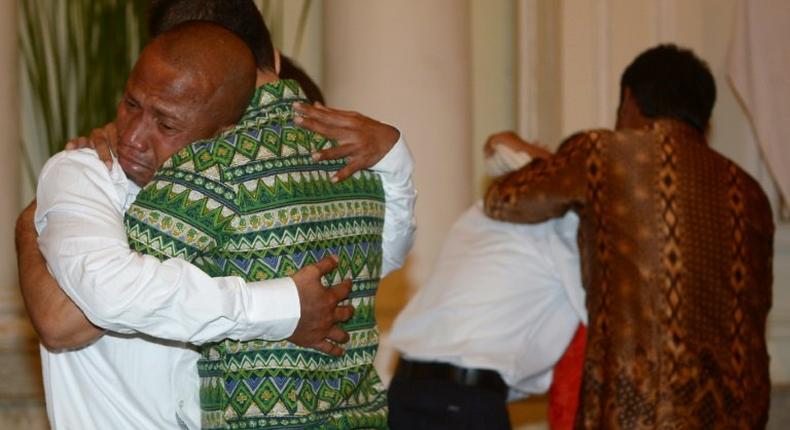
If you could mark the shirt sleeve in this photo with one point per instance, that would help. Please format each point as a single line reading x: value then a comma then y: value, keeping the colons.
x: 544, y: 188
x: 396, y: 169
x: 82, y: 237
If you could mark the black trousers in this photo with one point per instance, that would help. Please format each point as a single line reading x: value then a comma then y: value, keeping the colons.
x: 441, y: 404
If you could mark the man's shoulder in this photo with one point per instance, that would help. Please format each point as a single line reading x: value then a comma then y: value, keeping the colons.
x: 584, y: 140
x: 78, y: 179
x: 74, y: 159
x: 68, y: 169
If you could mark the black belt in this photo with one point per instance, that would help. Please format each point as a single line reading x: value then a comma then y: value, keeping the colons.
x: 479, y: 378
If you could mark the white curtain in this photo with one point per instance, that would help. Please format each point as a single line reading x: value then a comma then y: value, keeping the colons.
x: 759, y: 70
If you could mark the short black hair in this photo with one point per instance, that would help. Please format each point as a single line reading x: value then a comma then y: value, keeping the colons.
x: 671, y: 82
x: 241, y: 17
x: 290, y: 70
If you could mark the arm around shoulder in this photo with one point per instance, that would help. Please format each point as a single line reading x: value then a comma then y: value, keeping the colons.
x: 544, y: 188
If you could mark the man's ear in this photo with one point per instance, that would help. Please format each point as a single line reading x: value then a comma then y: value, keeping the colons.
x: 277, y: 61
x: 625, y: 111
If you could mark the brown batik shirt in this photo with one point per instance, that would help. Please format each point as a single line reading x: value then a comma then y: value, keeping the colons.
x: 676, y: 244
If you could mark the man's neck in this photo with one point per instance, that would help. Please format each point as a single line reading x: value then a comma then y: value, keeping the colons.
x: 264, y: 77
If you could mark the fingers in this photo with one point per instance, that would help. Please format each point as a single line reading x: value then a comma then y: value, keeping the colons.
x: 326, y: 265
x: 338, y: 335
x: 102, y: 140
x: 341, y: 290
x: 335, y: 153
x: 328, y: 348
x: 77, y: 143
x: 314, y: 126
x: 337, y: 132
x: 325, y: 115
x: 343, y: 313
x: 323, y: 107
x: 111, y: 132
x: 333, y: 124
x: 102, y: 146
x: 349, y: 169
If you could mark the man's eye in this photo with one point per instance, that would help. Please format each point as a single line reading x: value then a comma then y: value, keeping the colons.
x: 130, y: 102
x: 166, y: 127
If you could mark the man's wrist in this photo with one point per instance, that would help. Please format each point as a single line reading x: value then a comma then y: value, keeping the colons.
x: 398, y: 160
x: 274, y: 308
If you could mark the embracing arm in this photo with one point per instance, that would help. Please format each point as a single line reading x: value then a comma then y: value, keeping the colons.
x: 83, y: 239
x: 400, y: 196
x: 543, y: 189
x: 60, y: 324
x: 370, y: 144
x: 124, y: 291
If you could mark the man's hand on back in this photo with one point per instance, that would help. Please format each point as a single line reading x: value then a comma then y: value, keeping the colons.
x: 362, y: 140
x: 320, y: 311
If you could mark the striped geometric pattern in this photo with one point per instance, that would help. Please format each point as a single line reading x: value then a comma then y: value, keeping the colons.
x: 252, y: 203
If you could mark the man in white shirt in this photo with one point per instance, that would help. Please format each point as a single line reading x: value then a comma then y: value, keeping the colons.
x: 497, y: 312
x: 133, y: 381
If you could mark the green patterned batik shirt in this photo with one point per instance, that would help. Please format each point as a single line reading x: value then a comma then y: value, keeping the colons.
x: 252, y: 203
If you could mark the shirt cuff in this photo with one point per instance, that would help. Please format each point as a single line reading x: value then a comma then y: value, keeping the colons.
x: 395, y: 160
x: 274, y: 308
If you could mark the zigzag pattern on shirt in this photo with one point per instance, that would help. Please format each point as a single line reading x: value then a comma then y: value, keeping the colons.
x: 286, y: 389
x: 252, y: 203
x: 275, y: 266
x: 268, y: 191
x: 253, y: 256
x: 306, y: 213
x: 333, y: 234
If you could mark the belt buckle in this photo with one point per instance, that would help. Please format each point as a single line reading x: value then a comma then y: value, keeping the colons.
x: 465, y: 376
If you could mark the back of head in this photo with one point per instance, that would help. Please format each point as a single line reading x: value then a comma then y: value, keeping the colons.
x: 221, y: 67
x: 241, y: 17
x: 289, y: 70
x: 670, y: 82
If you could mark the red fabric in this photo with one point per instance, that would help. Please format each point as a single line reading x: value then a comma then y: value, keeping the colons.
x: 567, y: 381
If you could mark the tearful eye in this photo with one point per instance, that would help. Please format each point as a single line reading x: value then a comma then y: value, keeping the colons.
x: 166, y: 127
x: 131, y: 103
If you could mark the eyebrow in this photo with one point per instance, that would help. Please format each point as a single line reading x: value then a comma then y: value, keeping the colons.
x: 165, y: 113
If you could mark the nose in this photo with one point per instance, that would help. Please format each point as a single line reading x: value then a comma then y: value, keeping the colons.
x: 135, y: 134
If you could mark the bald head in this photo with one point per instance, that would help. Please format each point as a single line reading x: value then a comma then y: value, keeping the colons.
x: 213, y: 61
x: 187, y: 85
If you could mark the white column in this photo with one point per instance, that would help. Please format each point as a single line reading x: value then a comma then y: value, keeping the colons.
x: 407, y: 63
x: 10, y: 160
x: 18, y: 352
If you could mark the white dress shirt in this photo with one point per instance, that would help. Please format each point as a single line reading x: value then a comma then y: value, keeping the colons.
x: 129, y: 379
x: 502, y: 296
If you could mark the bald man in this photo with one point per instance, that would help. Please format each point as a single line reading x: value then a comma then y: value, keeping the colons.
x: 188, y: 84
